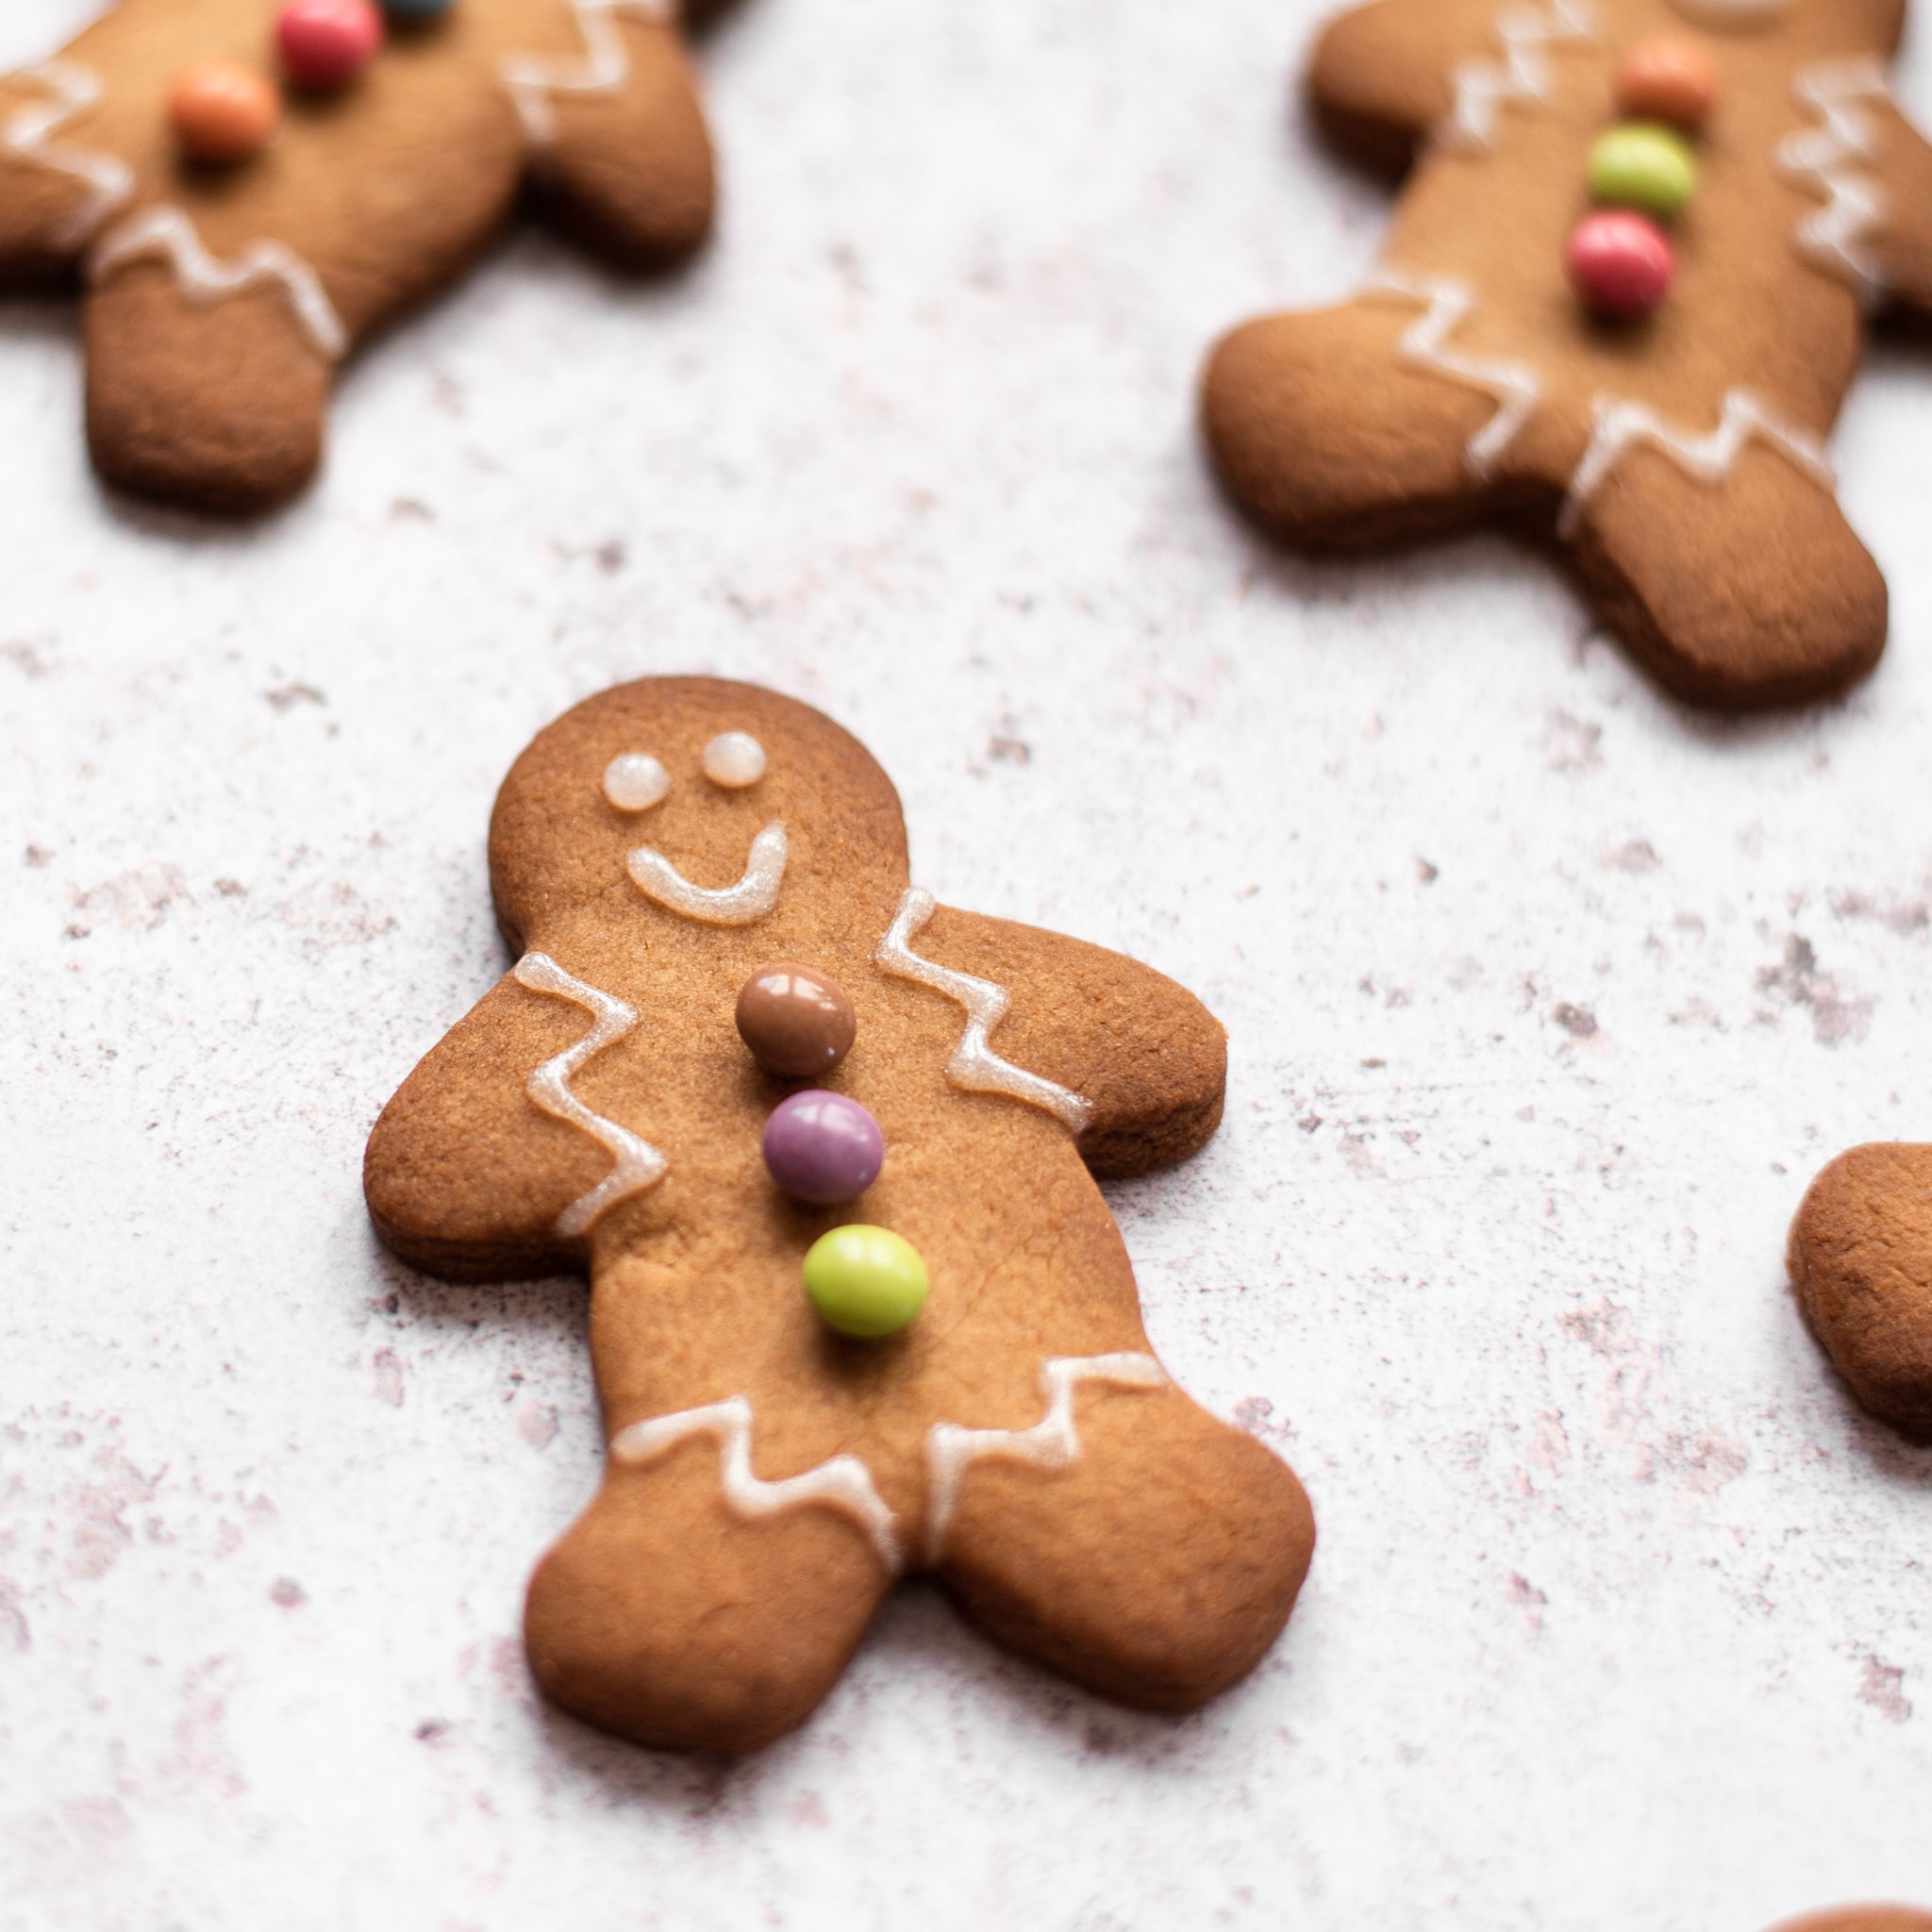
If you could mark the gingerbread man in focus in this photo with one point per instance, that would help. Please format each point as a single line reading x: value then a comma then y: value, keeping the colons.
x: 802, y: 1406
x: 1620, y: 304
x: 248, y: 189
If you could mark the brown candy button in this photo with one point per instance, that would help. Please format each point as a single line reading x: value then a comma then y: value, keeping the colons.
x: 797, y: 1021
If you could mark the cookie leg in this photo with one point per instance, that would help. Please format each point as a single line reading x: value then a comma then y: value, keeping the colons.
x: 1155, y: 1568
x: 666, y: 1618
x: 219, y: 407
x: 1330, y: 438
x: 1749, y: 591
x: 631, y: 173
x: 1860, y: 1261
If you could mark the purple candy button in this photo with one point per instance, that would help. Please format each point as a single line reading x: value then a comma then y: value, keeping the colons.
x: 822, y: 1147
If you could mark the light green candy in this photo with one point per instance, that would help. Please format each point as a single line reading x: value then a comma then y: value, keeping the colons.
x: 1643, y: 165
x: 865, y: 1281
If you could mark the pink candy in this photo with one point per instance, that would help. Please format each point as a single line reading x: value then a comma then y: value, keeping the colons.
x: 325, y: 43
x: 1620, y: 263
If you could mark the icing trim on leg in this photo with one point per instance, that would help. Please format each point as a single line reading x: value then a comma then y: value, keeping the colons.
x: 1620, y: 426
x: 1515, y: 388
x: 844, y: 1483
x: 1053, y: 1443
x: 638, y: 1164
x: 973, y: 1066
x: 1839, y: 158
x: 74, y: 89
x: 166, y: 234
x: 604, y: 69
x: 1484, y: 85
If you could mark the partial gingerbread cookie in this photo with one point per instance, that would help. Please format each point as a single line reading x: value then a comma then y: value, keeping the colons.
x: 1860, y: 1261
x: 249, y: 188
x: 844, y: 1331
x: 1620, y: 306
x: 1861, y: 1918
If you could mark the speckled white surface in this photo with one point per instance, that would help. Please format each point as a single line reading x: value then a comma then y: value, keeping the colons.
x: 1546, y: 1000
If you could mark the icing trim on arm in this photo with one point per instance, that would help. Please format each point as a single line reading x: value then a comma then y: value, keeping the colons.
x: 751, y: 898
x: 167, y: 235
x: 1620, y: 426
x: 1053, y: 1443
x: 638, y: 1164
x: 973, y: 1066
x: 1839, y: 158
x: 1515, y: 388
x: 74, y: 89
x: 1484, y: 85
x: 532, y: 78
x: 844, y: 1483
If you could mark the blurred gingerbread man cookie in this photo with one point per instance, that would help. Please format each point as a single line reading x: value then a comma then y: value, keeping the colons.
x: 1861, y: 1918
x: 1620, y: 306
x: 826, y: 1149
x: 1860, y: 1262
x: 250, y: 188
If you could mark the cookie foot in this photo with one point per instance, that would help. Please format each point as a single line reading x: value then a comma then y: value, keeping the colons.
x: 1155, y: 1570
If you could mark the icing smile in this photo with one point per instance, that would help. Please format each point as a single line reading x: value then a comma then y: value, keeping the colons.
x: 751, y: 898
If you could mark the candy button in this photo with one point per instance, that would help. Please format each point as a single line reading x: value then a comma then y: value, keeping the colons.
x: 865, y: 1281
x: 412, y: 13
x: 1667, y: 80
x: 1619, y: 264
x: 222, y: 111
x: 823, y: 1147
x: 1642, y: 165
x: 734, y: 759
x: 797, y: 1022
x: 325, y: 43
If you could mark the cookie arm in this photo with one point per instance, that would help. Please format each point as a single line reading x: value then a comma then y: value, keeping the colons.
x: 464, y: 1175
x: 1383, y: 77
x: 619, y: 153
x: 1144, y: 1053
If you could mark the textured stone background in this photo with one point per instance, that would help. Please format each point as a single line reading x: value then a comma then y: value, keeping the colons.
x: 1546, y: 1001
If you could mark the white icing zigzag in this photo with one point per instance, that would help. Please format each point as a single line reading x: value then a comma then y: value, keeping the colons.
x: 1053, y: 1443
x: 751, y: 898
x: 1514, y: 386
x: 843, y: 1484
x: 638, y: 1164
x: 1837, y: 155
x: 974, y: 1065
x: 166, y: 234
x: 605, y: 68
x: 26, y: 136
x: 1484, y: 85
x: 1710, y: 458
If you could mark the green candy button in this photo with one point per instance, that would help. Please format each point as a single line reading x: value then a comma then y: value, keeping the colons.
x: 1642, y: 165
x: 864, y: 1281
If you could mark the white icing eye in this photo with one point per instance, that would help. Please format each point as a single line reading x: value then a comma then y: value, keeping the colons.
x: 734, y: 760
x: 635, y: 782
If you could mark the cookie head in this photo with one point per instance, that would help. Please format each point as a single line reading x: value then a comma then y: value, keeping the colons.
x: 721, y: 805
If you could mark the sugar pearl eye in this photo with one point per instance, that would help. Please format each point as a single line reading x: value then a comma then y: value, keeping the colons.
x: 734, y: 759
x: 635, y: 782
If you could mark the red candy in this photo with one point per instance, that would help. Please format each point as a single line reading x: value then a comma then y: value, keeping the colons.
x: 325, y: 43
x: 1619, y: 263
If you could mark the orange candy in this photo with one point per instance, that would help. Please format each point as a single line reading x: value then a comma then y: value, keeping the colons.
x: 1667, y: 80
x: 223, y: 112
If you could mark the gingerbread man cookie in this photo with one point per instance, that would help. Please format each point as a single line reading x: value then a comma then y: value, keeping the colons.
x: 1620, y: 304
x: 1860, y: 1262
x: 878, y: 1324
x: 1861, y: 1918
x: 249, y: 188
